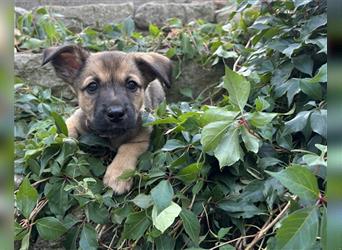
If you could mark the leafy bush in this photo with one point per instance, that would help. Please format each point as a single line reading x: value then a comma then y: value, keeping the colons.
x: 240, y: 167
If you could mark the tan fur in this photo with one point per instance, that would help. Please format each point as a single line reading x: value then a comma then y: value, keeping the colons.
x: 112, y: 69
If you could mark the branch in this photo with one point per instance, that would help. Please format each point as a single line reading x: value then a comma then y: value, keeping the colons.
x: 268, y: 226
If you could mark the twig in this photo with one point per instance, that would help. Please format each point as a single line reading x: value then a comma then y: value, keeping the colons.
x: 231, y: 241
x: 207, y: 218
x: 239, y: 58
x: 268, y: 225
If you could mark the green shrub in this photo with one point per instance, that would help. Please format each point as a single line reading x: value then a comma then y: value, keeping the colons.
x: 241, y: 166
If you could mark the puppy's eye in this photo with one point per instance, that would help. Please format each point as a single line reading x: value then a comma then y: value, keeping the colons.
x: 92, y: 87
x: 132, y: 86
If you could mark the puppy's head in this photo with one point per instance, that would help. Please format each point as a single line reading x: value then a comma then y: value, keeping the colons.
x: 109, y: 85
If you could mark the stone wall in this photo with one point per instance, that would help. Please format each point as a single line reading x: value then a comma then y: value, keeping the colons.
x: 28, y: 66
x: 29, y: 4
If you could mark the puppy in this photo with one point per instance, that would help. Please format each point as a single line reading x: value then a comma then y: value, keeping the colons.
x: 113, y: 88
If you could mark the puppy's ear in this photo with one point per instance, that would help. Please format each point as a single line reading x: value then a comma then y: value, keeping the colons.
x: 67, y: 60
x: 153, y: 65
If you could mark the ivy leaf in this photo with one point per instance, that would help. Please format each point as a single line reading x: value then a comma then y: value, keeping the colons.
x: 251, y: 142
x: 299, y: 180
x: 162, y: 195
x: 312, y: 90
x: 26, y: 197
x: 165, y: 242
x: 68, y: 149
x: 291, y: 48
x: 298, y: 123
x: 25, y: 242
x: 299, y: 230
x: 299, y: 3
x: 312, y: 24
x: 135, y: 225
x: 318, y: 121
x: 190, y: 173
x: 191, y: 225
x: 143, y: 201
x: 154, y: 30
x: 304, y: 63
x: 98, y: 214
x: 128, y: 26
x: 212, y: 134
x: 60, y: 124
x: 88, y: 238
x: 238, y: 88
x: 214, y: 114
x: 173, y: 144
x: 229, y: 150
x: 260, y: 119
x: 239, y: 209
x: 321, y: 75
x: 165, y: 218
x: 50, y: 228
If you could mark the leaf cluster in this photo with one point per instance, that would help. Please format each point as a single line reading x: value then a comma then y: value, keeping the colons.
x: 241, y: 166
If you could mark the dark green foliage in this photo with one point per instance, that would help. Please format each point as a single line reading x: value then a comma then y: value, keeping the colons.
x: 248, y: 156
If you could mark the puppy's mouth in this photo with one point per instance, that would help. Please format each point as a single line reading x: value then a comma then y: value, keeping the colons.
x: 107, y: 131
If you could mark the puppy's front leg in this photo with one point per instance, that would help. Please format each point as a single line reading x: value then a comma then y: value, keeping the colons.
x: 126, y: 159
x: 73, y: 124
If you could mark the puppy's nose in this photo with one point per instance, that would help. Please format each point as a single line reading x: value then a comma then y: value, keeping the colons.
x: 115, y: 113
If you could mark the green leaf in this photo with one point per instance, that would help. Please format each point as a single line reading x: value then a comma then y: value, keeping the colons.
x: 221, y: 52
x: 321, y: 75
x: 312, y: 24
x: 135, y: 225
x: 212, y: 134
x: 240, y: 209
x: 88, y: 238
x: 223, y: 232
x: 312, y: 90
x: 71, y: 238
x: 260, y: 119
x: 143, y: 201
x: 25, y: 242
x: 238, y: 88
x: 251, y: 142
x: 229, y: 150
x: 323, y: 229
x: 299, y: 3
x: 165, y: 218
x: 299, y: 180
x: 26, y: 197
x: 173, y: 144
x: 68, y: 149
x: 60, y: 124
x: 154, y: 30
x: 299, y: 230
x: 98, y: 214
x: 171, y: 52
x: 50, y: 228
x: 191, y: 225
x: 291, y: 49
x: 261, y: 104
x: 162, y: 195
x: 128, y: 26
x: 298, y: 123
x: 304, y: 63
x: 318, y: 121
x: 165, y: 242
x: 190, y: 173
x: 214, y: 114
x: 32, y: 44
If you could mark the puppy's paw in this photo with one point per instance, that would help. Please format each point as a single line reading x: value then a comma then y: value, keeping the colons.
x: 111, y: 179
